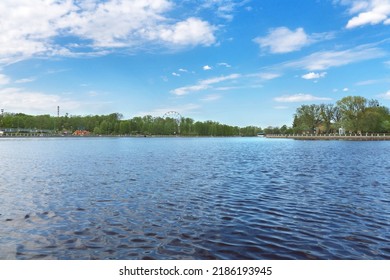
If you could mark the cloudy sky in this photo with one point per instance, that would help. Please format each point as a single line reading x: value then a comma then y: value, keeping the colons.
x: 239, y: 62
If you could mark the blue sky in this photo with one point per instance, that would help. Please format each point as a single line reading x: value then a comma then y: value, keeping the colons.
x: 239, y: 62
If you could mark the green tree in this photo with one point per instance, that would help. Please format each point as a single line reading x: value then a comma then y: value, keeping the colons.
x: 385, y: 126
x: 124, y: 127
x: 374, y: 118
x: 187, y: 126
x: 105, y: 127
x: 328, y: 115
x: 307, y: 118
x: 250, y: 131
x: 352, y: 109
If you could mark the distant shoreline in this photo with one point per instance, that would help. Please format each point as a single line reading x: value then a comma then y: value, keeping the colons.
x: 118, y: 136
x: 371, y: 137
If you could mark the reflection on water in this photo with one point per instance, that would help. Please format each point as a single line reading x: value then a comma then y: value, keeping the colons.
x: 193, y: 198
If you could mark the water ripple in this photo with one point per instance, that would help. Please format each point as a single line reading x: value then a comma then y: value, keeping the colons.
x: 189, y: 198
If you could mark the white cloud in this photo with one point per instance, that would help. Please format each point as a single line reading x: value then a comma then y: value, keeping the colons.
x: 266, y: 75
x: 187, y: 89
x: 367, y: 12
x: 224, y: 8
x: 4, y: 79
x: 220, y: 79
x: 283, y: 40
x: 324, y: 60
x: 209, y: 83
x: 25, y: 80
x: 224, y: 64
x: 345, y: 89
x: 115, y: 23
x: 32, y: 27
x: 372, y: 82
x: 183, y: 70
x: 207, y: 67
x: 26, y: 27
x: 300, y: 97
x: 385, y: 95
x: 366, y: 18
x: 367, y: 82
x: 29, y: 102
x: 175, y: 74
x: 313, y: 75
x: 225, y: 11
x: 204, y: 84
x: 190, y: 32
x: 211, y: 97
x: 226, y: 88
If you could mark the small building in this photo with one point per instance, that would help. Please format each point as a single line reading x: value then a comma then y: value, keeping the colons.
x: 81, y: 133
x: 341, y: 131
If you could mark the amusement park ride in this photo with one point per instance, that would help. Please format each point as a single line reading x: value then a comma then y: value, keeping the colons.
x: 175, y: 116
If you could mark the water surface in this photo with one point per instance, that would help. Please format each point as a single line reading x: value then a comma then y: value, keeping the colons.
x: 193, y: 198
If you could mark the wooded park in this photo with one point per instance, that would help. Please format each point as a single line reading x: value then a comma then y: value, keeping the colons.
x: 114, y: 124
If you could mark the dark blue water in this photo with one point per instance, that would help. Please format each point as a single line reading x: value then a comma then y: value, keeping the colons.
x: 194, y: 198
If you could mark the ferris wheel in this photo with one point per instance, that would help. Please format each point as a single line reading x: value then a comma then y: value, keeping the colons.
x: 176, y: 117
x: 173, y: 115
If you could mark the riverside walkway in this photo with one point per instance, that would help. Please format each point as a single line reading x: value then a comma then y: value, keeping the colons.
x: 348, y: 137
x: 26, y: 132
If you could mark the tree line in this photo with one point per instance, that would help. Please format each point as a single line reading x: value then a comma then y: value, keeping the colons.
x: 114, y: 124
x: 354, y: 114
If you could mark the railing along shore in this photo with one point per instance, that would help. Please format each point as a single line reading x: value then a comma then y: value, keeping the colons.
x: 352, y: 137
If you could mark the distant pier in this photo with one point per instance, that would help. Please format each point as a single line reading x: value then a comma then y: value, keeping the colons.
x: 347, y: 137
